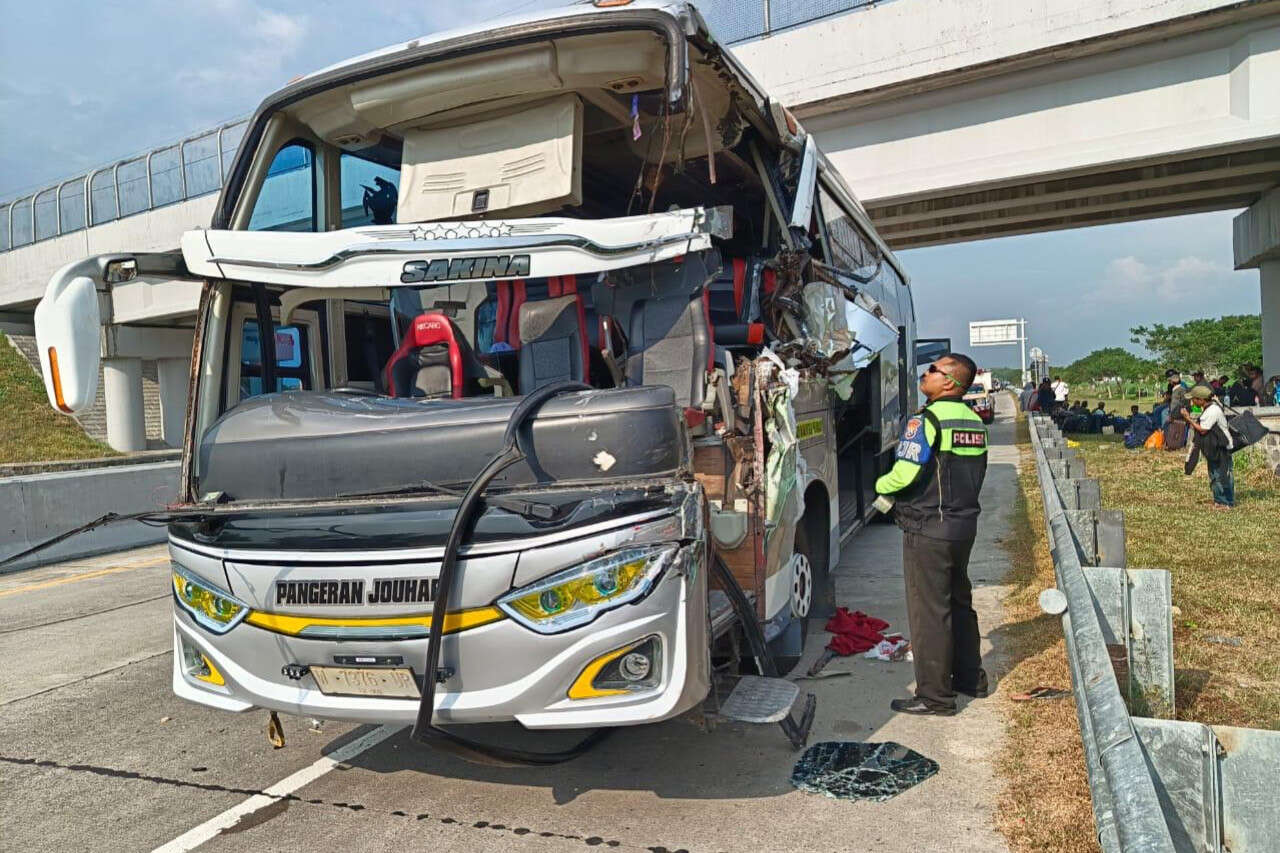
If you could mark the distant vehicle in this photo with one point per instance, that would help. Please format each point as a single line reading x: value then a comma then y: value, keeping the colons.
x: 981, y: 401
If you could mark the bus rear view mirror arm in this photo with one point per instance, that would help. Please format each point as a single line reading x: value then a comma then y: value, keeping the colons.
x: 69, y: 318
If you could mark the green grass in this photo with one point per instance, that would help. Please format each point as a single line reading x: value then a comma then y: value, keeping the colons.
x: 1224, y: 573
x: 1044, y: 801
x: 30, y: 431
x: 1224, y: 579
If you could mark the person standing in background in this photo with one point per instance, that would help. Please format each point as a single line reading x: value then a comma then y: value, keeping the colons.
x: 1061, y: 391
x: 1044, y: 396
x: 1215, y: 445
x: 1177, y: 395
x: 1257, y: 385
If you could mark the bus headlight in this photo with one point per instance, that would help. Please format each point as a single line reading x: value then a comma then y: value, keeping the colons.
x: 212, y: 608
x: 576, y: 596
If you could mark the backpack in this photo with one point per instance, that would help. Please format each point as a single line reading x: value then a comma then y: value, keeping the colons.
x: 1175, y: 435
x: 1245, y: 429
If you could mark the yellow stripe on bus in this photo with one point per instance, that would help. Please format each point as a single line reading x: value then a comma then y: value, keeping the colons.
x: 457, y: 620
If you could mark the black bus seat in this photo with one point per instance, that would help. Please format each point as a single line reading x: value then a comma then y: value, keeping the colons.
x: 671, y: 344
x: 554, y: 346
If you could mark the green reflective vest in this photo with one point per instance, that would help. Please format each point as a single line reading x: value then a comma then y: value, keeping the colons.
x: 939, y: 466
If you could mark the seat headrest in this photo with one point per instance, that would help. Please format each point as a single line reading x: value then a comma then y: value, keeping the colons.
x: 433, y: 328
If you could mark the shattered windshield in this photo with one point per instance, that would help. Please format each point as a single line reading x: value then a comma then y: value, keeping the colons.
x: 408, y: 388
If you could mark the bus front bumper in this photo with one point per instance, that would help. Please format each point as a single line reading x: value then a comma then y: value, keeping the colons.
x: 502, y: 671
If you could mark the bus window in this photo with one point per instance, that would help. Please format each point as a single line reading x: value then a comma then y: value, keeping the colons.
x: 293, y: 372
x: 849, y: 249
x: 287, y: 201
x: 369, y: 346
x: 370, y: 191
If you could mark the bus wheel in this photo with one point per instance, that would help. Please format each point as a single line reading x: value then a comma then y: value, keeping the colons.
x: 801, y: 586
x: 808, y: 571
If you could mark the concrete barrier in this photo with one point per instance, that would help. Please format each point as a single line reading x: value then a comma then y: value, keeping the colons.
x: 37, y: 507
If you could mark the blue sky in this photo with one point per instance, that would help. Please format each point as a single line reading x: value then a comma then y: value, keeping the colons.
x: 82, y: 84
x: 1083, y: 289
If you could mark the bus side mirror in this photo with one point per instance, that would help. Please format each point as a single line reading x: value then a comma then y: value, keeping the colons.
x: 67, y: 332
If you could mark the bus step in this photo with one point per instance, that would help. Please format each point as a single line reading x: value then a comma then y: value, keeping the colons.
x: 756, y: 699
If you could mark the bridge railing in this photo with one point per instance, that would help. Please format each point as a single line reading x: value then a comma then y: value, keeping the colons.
x: 1156, y: 784
x: 187, y: 169
x: 198, y: 165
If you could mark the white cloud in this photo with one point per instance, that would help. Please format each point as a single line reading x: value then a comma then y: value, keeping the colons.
x: 285, y: 32
x: 256, y: 52
x: 1129, y: 280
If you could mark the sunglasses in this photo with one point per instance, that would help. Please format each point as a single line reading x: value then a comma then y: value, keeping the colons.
x: 933, y: 368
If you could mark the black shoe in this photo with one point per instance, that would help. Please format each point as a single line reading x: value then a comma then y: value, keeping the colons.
x: 978, y: 691
x: 918, y: 706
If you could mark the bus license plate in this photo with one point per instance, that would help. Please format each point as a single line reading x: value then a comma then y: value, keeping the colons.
x: 364, y: 681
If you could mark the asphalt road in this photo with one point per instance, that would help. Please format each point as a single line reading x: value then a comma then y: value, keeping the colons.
x: 96, y: 753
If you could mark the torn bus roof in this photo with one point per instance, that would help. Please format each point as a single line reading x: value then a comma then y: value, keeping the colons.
x: 481, y: 250
x: 676, y: 9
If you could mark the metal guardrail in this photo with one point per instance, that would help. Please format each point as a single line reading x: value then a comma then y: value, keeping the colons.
x: 165, y: 175
x: 1156, y: 784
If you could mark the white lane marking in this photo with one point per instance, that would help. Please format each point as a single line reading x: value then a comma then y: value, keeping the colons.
x: 196, y: 836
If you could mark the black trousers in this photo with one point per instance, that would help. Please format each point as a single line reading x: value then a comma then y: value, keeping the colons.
x: 944, y: 626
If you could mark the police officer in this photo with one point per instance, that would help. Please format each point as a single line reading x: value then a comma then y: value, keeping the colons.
x: 940, y: 463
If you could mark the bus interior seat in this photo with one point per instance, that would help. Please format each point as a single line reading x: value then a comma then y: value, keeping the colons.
x: 734, y: 302
x: 553, y: 339
x: 671, y: 344
x: 434, y: 360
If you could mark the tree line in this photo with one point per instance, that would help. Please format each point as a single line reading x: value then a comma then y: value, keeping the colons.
x: 1216, y: 346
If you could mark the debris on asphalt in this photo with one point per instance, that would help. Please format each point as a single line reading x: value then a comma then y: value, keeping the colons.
x: 849, y: 770
x: 893, y: 648
x: 1224, y: 641
x: 275, y: 731
x: 855, y: 632
x: 827, y: 656
x: 819, y: 676
x: 1041, y: 693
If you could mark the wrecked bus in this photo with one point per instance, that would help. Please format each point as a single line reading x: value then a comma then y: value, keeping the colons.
x: 539, y: 375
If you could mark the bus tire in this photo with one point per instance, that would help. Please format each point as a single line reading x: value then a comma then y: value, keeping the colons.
x: 808, y: 594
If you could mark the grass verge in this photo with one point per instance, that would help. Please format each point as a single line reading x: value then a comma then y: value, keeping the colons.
x: 1045, y: 803
x: 29, y: 430
x: 1223, y: 567
x: 1226, y: 632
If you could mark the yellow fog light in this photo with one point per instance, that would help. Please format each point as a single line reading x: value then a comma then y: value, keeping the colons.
x: 213, y: 609
x: 632, y: 668
x: 199, y: 667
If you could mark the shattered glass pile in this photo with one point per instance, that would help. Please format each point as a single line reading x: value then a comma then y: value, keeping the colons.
x: 860, y: 771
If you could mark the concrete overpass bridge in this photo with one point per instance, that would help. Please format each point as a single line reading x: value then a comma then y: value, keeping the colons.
x: 953, y: 122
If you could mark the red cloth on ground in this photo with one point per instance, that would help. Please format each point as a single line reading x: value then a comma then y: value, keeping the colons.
x: 854, y: 632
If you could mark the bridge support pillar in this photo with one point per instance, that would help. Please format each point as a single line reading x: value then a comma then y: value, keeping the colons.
x: 1270, y: 272
x: 1257, y: 246
x: 172, y: 374
x: 122, y: 390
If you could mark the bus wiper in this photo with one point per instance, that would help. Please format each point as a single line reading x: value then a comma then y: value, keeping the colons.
x: 524, y: 508
x: 515, y: 449
x: 151, y: 516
